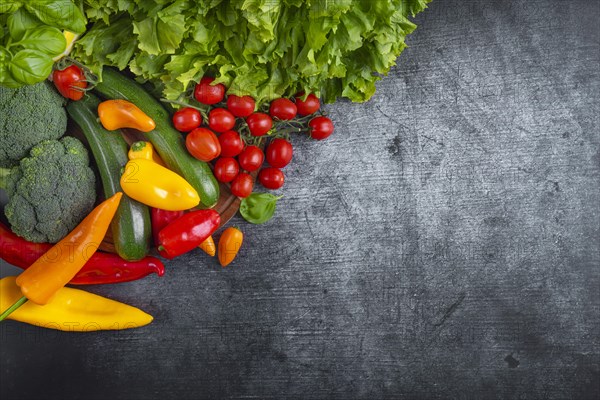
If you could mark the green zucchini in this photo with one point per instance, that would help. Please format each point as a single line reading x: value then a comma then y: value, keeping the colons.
x: 131, y: 228
x: 168, y: 142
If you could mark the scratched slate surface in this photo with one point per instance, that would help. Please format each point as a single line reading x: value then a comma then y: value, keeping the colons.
x: 444, y: 243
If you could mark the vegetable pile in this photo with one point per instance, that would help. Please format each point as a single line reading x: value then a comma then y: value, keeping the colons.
x: 211, y: 97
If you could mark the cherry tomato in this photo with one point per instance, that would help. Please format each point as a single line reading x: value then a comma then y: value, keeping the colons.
x: 259, y: 123
x: 70, y: 82
x: 240, y: 106
x: 309, y: 106
x: 226, y: 169
x: 320, y: 128
x: 206, y: 93
x: 203, y: 144
x: 220, y: 120
x: 283, y: 109
x: 279, y: 153
x: 251, y: 158
x: 242, y: 185
x: 231, y: 144
x: 187, y: 119
x: 271, y: 178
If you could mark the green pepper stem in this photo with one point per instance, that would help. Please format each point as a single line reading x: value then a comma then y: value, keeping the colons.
x: 138, y: 146
x: 12, y: 308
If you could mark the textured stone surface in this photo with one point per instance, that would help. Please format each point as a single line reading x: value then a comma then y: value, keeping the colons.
x: 444, y: 243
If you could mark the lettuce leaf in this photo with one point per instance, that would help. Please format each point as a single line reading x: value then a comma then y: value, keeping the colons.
x: 263, y: 48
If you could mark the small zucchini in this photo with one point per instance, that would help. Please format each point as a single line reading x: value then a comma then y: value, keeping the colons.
x: 131, y: 227
x: 168, y: 142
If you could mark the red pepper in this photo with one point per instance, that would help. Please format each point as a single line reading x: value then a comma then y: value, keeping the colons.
x: 187, y: 232
x: 162, y: 218
x: 100, y: 268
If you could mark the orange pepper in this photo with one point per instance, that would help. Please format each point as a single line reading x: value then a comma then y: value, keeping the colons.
x: 229, y: 244
x: 208, y: 246
x: 61, y: 263
x: 117, y: 114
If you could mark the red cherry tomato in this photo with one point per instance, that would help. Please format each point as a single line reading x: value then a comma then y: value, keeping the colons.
x: 259, y: 123
x: 206, y: 93
x: 242, y: 185
x: 220, y: 120
x: 187, y: 119
x: 279, y: 153
x: 309, y: 106
x: 283, y: 109
x: 271, y: 178
x: 70, y: 82
x: 240, y: 106
x: 226, y: 169
x: 251, y: 158
x: 320, y: 128
x: 203, y: 144
x: 231, y: 144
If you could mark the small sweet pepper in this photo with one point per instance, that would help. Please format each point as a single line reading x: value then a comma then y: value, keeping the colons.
x: 144, y: 150
x: 157, y: 186
x: 118, y: 114
x: 187, y: 232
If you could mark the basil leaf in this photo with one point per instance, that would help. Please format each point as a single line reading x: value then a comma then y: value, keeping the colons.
x: 64, y: 14
x: 30, y: 66
x: 258, y: 208
x: 8, y: 6
x: 20, y: 22
x: 46, y: 39
x: 5, y: 76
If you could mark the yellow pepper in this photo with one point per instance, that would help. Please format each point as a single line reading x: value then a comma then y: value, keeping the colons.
x: 117, y: 114
x: 72, y: 310
x: 144, y: 150
x: 157, y: 186
x: 208, y: 246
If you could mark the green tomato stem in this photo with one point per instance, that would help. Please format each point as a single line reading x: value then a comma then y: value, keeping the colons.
x: 184, y: 104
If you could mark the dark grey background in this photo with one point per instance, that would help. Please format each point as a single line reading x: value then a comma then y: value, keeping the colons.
x: 444, y: 243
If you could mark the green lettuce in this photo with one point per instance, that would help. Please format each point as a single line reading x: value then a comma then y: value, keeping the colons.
x: 263, y: 48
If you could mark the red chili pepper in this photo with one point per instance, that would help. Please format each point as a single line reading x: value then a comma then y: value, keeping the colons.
x: 100, y: 268
x: 187, y: 232
x: 162, y: 218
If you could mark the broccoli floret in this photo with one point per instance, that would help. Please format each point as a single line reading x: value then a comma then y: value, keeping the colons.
x: 30, y: 114
x: 50, y: 191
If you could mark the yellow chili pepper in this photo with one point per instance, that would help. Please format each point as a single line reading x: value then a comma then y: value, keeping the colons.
x: 72, y: 310
x: 229, y: 244
x: 157, y: 186
x: 144, y: 150
x: 60, y: 264
x: 117, y: 114
x: 208, y: 246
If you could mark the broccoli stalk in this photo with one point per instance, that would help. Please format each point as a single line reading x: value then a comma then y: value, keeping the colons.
x: 4, y: 172
x: 50, y: 191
